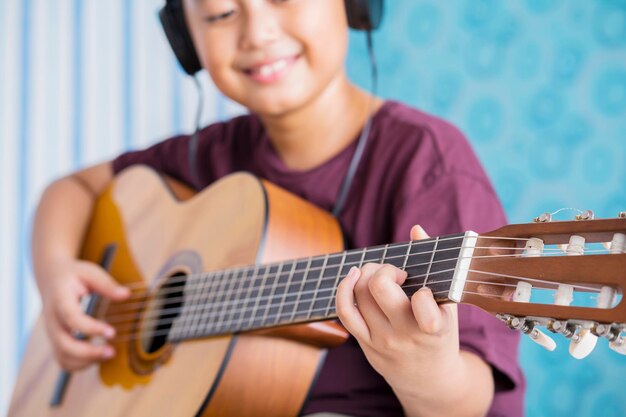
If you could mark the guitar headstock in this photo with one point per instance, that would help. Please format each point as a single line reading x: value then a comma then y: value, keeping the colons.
x: 567, y: 276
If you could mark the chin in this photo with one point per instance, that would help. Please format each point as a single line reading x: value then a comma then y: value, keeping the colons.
x: 274, y: 106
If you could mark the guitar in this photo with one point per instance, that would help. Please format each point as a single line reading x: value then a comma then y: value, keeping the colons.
x: 223, y: 296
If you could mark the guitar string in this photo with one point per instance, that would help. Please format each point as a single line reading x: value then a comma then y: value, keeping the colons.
x: 413, y: 244
x: 196, y: 281
x: 136, y: 335
x: 269, y: 306
x: 122, y: 307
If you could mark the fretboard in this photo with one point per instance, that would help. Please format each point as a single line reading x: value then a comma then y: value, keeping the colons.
x: 303, y: 290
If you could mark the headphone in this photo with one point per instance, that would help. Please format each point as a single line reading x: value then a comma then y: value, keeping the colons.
x: 362, y: 15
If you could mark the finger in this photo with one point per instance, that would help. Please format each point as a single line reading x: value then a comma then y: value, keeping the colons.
x: 76, y: 353
x: 418, y: 233
x: 426, y: 311
x: 367, y: 305
x: 347, y: 311
x: 98, y: 280
x: 391, y: 298
x: 73, y: 318
x: 450, y: 314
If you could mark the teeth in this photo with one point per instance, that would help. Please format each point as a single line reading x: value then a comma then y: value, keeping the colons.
x: 267, y: 70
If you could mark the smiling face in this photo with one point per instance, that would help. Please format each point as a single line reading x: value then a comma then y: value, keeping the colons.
x: 272, y: 56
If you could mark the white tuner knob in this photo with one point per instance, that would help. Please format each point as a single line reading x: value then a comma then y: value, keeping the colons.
x: 619, y: 345
x: 542, y: 339
x: 582, y: 343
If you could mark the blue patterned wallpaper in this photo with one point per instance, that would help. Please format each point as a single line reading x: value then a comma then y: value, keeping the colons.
x: 539, y: 88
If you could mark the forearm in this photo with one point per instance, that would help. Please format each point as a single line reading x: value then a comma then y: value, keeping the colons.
x: 62, y: 216
x: 60, y: 222
x: 466, y: 390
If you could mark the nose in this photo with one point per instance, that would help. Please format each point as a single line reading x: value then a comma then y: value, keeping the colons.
x: 261, y: 26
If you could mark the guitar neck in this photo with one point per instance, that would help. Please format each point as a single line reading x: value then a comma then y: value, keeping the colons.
x: 303, y: 290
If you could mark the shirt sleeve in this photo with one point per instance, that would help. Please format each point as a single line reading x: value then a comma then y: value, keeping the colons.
x: 169, y: 157
x: 456, y: 202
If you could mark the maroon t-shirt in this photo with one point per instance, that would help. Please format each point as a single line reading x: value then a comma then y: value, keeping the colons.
x: 415, y: 169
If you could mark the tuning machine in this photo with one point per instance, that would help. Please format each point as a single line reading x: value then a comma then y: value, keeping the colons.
x: 543, y: 218
x: 528, y: 327
x: 585, y: 215
x: 617, y: 341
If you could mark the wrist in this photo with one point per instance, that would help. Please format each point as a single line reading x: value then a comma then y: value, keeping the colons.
x: 443, y: 391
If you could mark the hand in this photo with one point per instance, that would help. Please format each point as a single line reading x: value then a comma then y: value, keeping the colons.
x: 63, y: 286
x: 411, y: 343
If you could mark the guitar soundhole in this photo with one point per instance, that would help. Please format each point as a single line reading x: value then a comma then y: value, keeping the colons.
x: 166, y: 307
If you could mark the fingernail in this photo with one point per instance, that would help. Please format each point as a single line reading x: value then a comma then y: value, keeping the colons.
x: 109, y: 332
x: 353, y: 272
x: 121, y: 291
x: 108, y: 352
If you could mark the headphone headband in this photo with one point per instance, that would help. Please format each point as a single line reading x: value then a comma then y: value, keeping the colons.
x: 362, y: 15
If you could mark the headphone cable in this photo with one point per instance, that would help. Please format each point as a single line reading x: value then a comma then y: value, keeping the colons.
x: 358, y: 152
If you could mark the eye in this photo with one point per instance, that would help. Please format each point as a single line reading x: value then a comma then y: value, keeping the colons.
x: 220, y: 16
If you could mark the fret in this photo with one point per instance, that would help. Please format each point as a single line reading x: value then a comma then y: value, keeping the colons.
x: 362, y: 258
x: 262, y: 298
x: 222, y: 323
x: 406, y: 255
x: 315, y: 293
x: 215, y: 320
x: 285, y: 293
x: 382, y: 259
x: 191, y: 317
x: 311, y: 279
x: 239, y: 301
x: 328, y: 282
x: 430, y: 263
x: 340, y: 273
x: 255, y: 295
x: 265, y: 298
x: 351, y: 260
x: 418, y: 264
x: 187, y: 317
x: 175, y: 332
x: 271, y: 301
x: 250, y: 298
x: 443, y: 265
x: 396, y: 255
x: 206, y: 315
x: 303, y: 278
x: 373, y: 254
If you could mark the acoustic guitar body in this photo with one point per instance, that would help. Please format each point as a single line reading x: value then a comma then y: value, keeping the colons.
x: 157, y: 232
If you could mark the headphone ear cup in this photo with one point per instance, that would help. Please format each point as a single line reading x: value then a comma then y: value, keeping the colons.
x: 173, y: 21
x: 364, y: 14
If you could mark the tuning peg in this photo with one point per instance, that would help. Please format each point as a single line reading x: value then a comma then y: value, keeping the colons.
x: 543, y: 218
x: 542, y: 339
x: 582, y: 343
x: 619, y: 345
x: 528, y: 327
x: 585, y: 215
x: 585, y: 340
